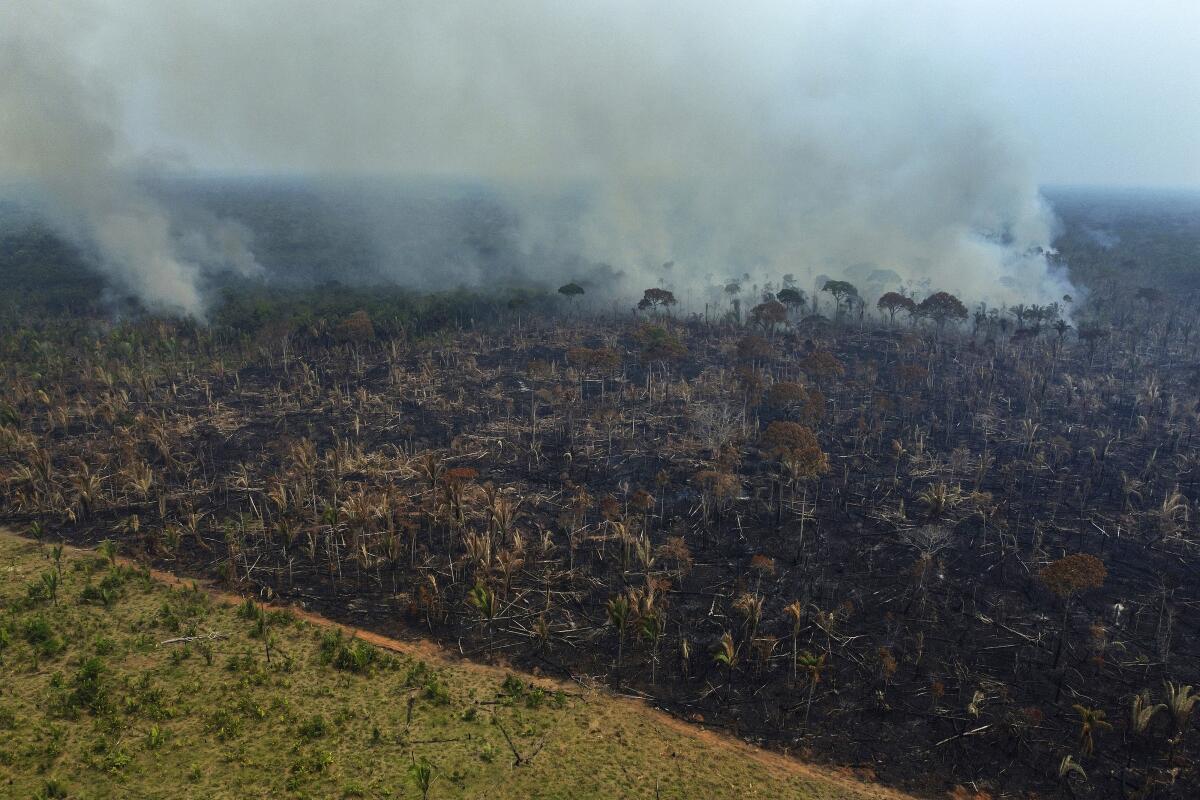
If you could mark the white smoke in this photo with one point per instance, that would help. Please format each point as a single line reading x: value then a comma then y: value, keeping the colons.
x: 62, y: 151
x: 760, y: 138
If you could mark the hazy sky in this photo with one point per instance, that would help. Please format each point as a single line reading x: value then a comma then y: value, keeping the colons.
x: 1104, y: 91
x: 1098, y: 91
x: 1094, y: 91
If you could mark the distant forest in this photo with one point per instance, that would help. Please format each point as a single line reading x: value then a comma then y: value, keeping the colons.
x: 1124, y: 237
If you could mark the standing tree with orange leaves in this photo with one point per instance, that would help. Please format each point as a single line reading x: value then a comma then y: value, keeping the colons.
x: 1068, y: 577
x: 942, y: 307
x: 655, y: 299
x: 806, y: 405
x: 799, y: 453
x: 796, y: 448
x: 893, y: 302
x: 769, y: 315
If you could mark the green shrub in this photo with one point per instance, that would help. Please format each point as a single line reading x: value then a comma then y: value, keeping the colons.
x: 40, y: 635
x: 149, y: 700
x: 45, y: 589
x: 437, y: 692
x: 183, y: 606
x: 108, y: 591
x: 155, y: 737
x: 116, y: 759
x: 249, y: 708
x: 535, y: 697
x: 513, y: 687
x: 353, y: 655
x: 52, y: 789
x: 249, y: 609
x: 224, y: 725
x: 314, y: 728
x: 312, y: 763
x: 417, y: 675
x: 89, y: 691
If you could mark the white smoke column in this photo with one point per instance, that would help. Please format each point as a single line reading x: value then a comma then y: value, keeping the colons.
x: 758, y: 137
x: 61, y: 151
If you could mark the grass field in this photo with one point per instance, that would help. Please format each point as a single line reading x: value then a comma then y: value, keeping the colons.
x: 97, y: 702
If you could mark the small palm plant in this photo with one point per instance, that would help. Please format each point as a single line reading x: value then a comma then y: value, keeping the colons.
x: 108, y: 549
x: 484, y: 601
x: 750, y: 607
x: 795, y: 612
x: 1180, y: 702
x: 155, y: 737
x: 617, y: 609
x: 650, y: 628
x: 1141, y: 712
x: 726, y: 654
x: 541, y: 632
x: 1068, y: 767
x: 50, y: 582
x: 813, y: 666
x: 422, y: 774
x: 1091, y: 722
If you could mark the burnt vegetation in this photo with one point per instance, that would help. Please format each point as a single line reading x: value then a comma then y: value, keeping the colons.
x: 944, y: 544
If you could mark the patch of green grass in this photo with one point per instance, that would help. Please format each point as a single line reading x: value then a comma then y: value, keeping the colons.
x: 349, y: 654
x: 315, y: 728
x: 93, y: 705
x: 42, y: 638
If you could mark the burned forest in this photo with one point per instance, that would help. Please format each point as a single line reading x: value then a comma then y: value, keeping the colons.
x: 670, y: 401
x: 950, y: 547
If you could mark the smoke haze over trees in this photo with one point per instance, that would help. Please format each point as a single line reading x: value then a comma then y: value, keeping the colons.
x: 457, y: 144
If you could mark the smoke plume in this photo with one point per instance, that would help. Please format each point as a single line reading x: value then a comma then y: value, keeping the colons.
x: 62, y: 151
x: 602, y: 138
